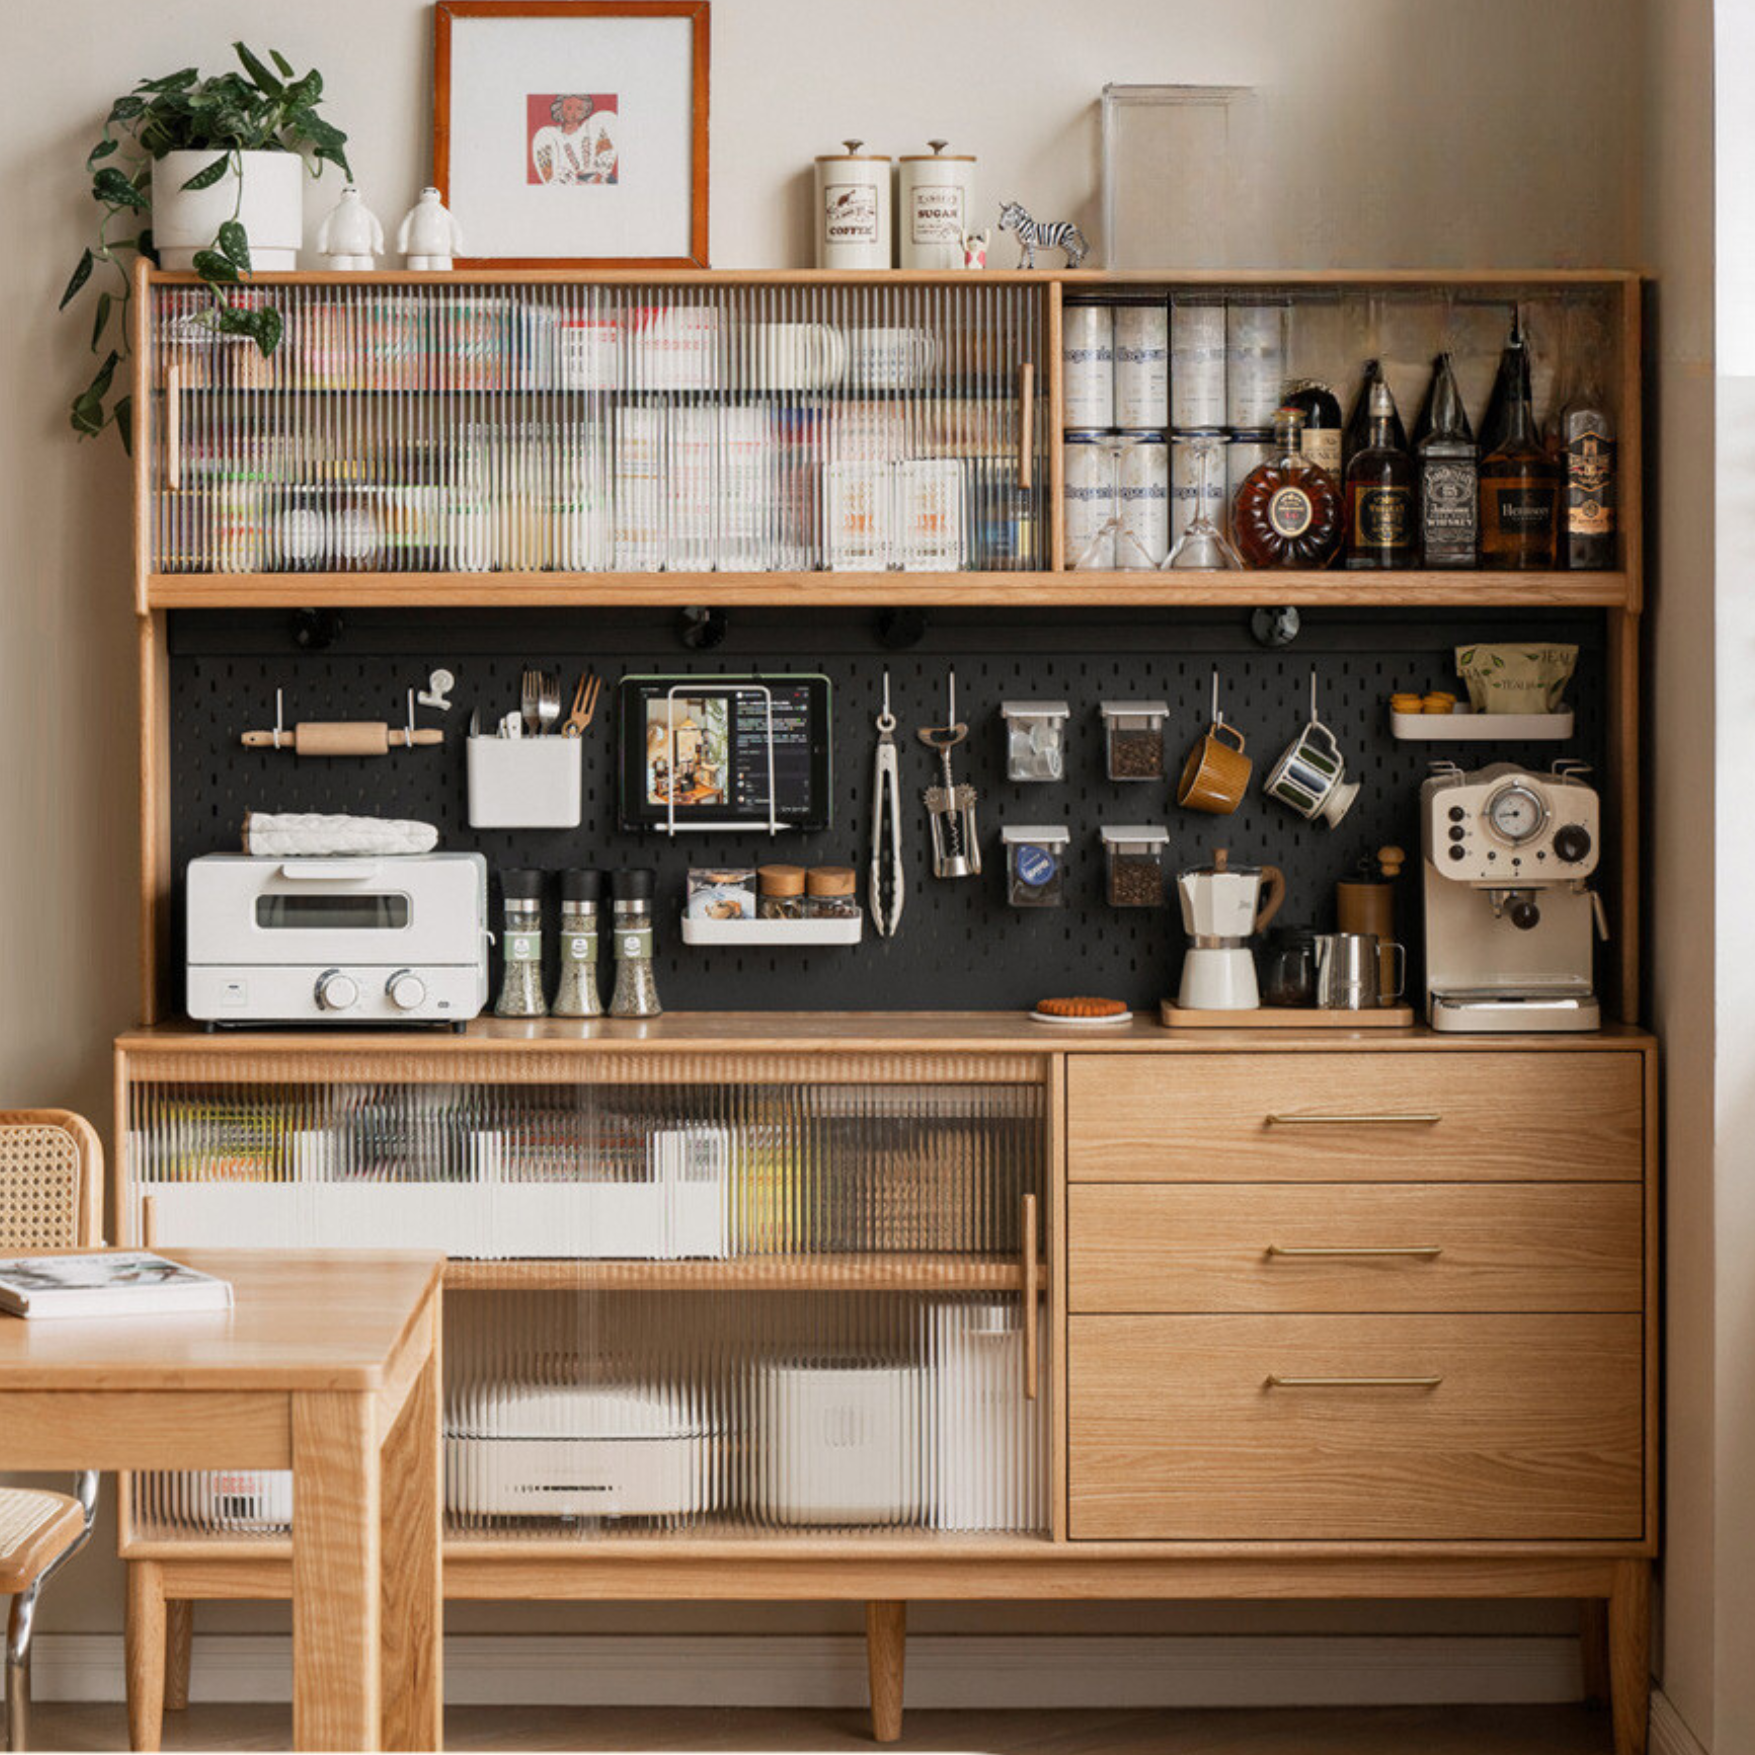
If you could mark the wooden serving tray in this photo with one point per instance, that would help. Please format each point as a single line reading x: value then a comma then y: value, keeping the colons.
x: 1283, y: 1017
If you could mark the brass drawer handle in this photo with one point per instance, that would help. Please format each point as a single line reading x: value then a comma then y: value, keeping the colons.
x: 1354, y: 1120
x: 1275, y: 1381
x: 1425, y: 1251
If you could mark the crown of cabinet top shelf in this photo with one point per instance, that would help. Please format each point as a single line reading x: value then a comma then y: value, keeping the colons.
x: 1607, y: 590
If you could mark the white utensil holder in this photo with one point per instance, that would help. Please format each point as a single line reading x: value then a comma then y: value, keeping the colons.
x: 525, y: 782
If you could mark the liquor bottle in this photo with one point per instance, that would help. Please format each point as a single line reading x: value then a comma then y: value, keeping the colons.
x: 1584, y: 447
x: 1520, y: 492
x: 1448, y: 475
x: 1423, y: 420
x: 1380, y: 493
x: 1288, y: 510
x: 1358, y: 430
x: 1321, y: 408
x: 1512, y: 379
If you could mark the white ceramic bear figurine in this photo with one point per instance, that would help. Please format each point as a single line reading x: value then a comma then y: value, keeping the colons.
x: 350, y: 235
x: 429, y: 236
x: 975, y: 249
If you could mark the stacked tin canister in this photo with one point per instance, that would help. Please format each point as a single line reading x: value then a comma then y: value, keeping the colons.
x: 1145, y: 384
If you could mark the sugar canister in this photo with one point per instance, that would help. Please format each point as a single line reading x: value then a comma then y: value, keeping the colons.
x: 937, y: 200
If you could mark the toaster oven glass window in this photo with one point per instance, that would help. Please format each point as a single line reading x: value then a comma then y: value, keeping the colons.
x: 332, y: 913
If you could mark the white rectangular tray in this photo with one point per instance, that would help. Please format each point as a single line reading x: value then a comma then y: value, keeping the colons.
x: 1462, y: 726
x: 773, y: 932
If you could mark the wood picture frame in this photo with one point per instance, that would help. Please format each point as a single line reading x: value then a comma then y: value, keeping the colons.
x: 456, y: 134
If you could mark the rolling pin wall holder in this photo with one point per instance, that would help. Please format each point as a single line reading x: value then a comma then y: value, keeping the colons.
x: 340, y: 737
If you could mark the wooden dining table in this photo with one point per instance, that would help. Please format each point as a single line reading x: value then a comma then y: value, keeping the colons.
x: 327, y: 1364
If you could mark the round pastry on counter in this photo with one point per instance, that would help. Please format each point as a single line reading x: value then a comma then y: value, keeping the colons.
x: 1081, y: 1009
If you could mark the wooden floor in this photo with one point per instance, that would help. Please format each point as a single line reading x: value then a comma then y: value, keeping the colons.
x: 1496, y: 1730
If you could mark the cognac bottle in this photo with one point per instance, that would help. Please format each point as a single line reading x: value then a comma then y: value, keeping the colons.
x: 1520, y: 489
x: 1511, y: 380
x: 1288, y: 511
x: 1380, y: 493
x: 1321, y: 438
x: 1448, y: 476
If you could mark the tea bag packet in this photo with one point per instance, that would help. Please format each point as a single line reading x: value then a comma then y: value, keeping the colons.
x: 1507, y: 678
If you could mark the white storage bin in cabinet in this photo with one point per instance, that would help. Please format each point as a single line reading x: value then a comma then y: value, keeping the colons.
x: 525, y: 782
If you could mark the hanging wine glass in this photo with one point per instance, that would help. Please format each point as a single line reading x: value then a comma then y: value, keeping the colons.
x: 1202, y: 546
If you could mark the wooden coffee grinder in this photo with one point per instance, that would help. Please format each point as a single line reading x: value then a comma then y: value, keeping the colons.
x: 1366, y: 903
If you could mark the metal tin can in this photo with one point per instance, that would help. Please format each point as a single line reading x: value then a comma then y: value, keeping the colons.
x: 937, y: 197
x: 1197, y: 366
x: 852, y: 222
x: 1255, y: 364
x: 1185, y: 482
x: 1142, y: 367
x: 1142, y: 502
x: 1089, y: 497
x: 1087, y: 363
x: 1245, y: 452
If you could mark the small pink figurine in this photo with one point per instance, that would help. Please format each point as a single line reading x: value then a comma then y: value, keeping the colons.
x: 975, y: 249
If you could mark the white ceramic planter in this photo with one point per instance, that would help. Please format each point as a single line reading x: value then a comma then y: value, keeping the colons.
x: 187, y: 220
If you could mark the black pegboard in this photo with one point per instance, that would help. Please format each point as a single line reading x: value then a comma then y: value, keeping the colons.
x: 960, y: 944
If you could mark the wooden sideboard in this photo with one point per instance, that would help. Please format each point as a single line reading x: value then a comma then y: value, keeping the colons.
x: 1332, y: 1316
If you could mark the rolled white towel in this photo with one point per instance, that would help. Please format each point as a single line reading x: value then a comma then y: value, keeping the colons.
x: 272, y: 835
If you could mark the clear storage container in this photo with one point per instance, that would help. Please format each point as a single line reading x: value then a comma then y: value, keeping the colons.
x: 1035, y: 739
x: 1035, y: 865
x: 1134, y: 733
x: 1134, y: 865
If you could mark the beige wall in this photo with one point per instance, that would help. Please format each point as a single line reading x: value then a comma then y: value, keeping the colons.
x: 1393, y: 133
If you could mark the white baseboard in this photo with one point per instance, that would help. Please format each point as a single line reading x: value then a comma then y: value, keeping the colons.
x: 943, y: 1671
x: 1669, y: 1735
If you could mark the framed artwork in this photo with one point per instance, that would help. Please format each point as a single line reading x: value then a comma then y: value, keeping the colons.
x: 573, y: 133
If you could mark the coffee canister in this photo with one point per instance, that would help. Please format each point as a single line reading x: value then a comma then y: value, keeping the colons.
x: 1142, y: 502
x: 1185, y: 480
x: 1089, y: 496
x: 853, y: 209
x: 1087, y: 365
x: 937, y: 198
x: 1255, y: 364
x: 1197, y: 366
x: 1142, y: 367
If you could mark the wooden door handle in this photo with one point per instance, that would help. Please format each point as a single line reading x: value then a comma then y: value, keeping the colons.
x: 1026, y: 425
x: 1032, y: 1286
x: 1354, y: 1120
x: 1308, y: 1251
x: 1276, y: 1381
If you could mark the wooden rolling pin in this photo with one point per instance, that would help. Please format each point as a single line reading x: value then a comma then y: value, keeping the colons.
x: 342, y: 737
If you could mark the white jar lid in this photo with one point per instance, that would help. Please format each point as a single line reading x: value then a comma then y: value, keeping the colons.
x: 1033, y: 709
x: 1134, y: 709
x: 1150, y: 834
x: 1041, y: 835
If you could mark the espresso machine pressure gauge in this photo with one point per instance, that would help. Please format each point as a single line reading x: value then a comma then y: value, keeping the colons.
x: 1516, y: 814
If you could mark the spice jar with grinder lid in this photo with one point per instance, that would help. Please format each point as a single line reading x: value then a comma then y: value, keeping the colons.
x: 521, y: 946
x: 577, y: 995
x: 636, y: 987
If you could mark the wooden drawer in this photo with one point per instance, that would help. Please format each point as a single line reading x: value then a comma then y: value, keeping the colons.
x: 1532, y: 1431
x: 1444, y: 1116
x: 1525, y: 1246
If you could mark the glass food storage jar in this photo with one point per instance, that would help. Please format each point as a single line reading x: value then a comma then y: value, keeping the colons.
x: 1035, y: 739
x: 830, y: 893
x: 1134, y: 733
x: 781, y: 892
x: 1035, y: 865
x: 1134, y: 865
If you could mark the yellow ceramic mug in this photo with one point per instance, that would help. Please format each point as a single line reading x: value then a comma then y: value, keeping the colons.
x: 1216, y: 775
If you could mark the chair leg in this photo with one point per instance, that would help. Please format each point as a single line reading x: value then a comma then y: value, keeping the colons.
x: 179, y: 1644
x: 18, y: 1632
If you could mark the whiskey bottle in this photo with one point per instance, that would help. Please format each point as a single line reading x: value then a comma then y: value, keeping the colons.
x: 1288, y: 510
x: 1520, y: 490
x: 1321, y: 438
x: 1512, y: 379
x: 1448, y: 477
x: 1423, y: 420
x: 1584, y: 448
x: 1380, y: 493
x: 1358, y: 429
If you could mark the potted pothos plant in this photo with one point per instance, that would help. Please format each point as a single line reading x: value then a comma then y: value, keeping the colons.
x: 216, y: 163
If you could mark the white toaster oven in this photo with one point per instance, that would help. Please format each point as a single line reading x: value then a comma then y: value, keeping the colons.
x: 392, y: 940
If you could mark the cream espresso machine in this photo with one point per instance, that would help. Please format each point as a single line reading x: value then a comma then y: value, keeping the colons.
x: 1511, y: 919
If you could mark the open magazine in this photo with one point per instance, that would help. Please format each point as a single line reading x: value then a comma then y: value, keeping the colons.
x: 111, y: 1282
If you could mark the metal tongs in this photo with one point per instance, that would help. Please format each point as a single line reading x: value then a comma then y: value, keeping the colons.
x: 950, y: 807
x: 886, y: 826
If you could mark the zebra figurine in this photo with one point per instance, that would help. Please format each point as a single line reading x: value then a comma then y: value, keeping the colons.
x: 1032, y: 234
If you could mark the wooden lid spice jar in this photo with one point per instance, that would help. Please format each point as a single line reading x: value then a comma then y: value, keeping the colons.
x: 780, y: 892
x: 830, y: 893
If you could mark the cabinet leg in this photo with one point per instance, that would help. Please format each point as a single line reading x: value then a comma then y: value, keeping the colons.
x: 179, y: 1642
x: 886, y: 1637
x: 144, y: 1650
x: 1630, y: 1654
x: 1593, y: 1649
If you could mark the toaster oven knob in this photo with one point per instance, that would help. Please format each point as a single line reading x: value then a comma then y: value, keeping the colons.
x: 407, y: 991
x: 337, y: 992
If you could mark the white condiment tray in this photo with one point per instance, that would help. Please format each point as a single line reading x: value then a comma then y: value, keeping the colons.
x: 773, y: 932
x: 1461, y: 726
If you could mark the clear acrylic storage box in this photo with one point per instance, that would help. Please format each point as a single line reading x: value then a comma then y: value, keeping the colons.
x: 1035, y: 740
